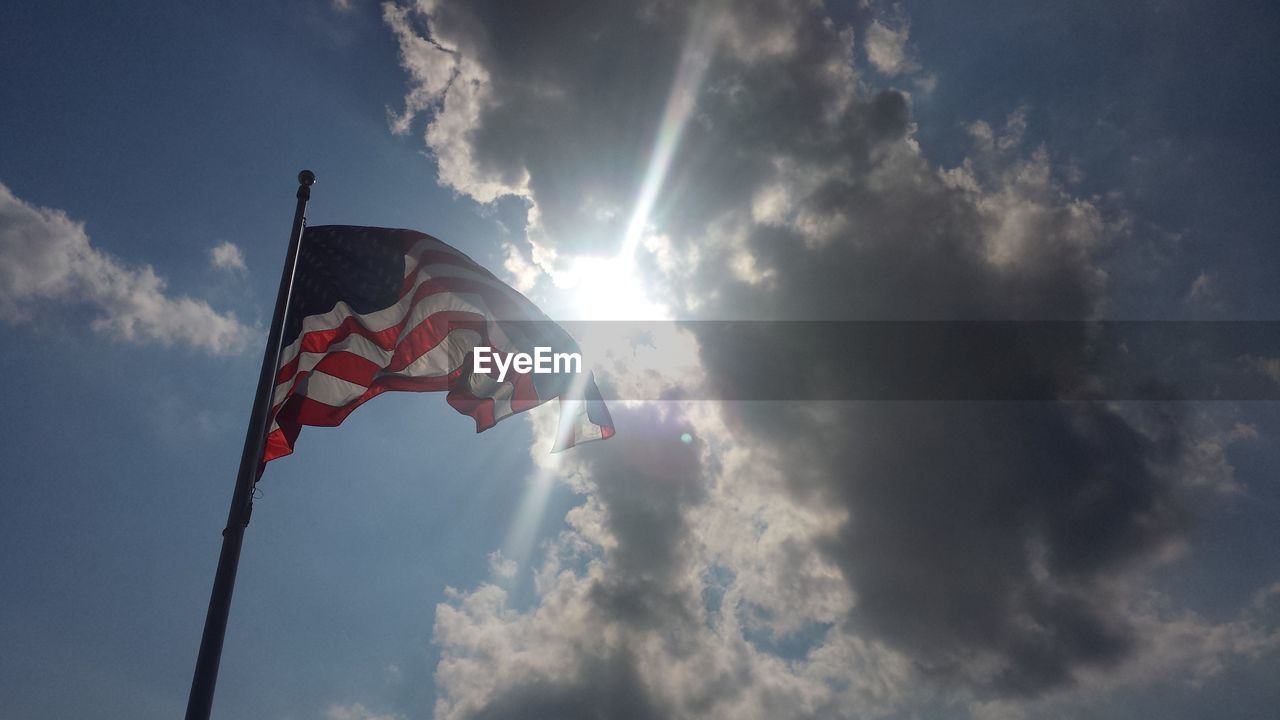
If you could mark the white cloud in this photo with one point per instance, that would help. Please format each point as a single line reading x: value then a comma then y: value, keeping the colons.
x: 435, y: 69
x: 986, y: 140
x: 227, y: 256
x: 524, y: 273
x: 46, y: 259
x: 887, y: 48
x: 502, y: 567
x: 356, y: 711
x: 1015, y: 127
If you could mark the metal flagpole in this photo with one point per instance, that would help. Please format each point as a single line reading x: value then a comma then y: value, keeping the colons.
x: 200, y: 701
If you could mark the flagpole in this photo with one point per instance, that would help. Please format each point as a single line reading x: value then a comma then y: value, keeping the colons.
x: 200, y: 701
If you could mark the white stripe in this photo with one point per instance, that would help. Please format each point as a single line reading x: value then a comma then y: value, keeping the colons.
x: 323, y: 387
x: 392, y: 315
x: 436, y: 302
x: 441, y: 360
x: 361, y: 346
x: 484, y: 386
x: 430, y: 244
x: 384, y: 318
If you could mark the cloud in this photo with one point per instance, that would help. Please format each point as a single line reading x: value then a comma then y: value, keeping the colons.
x: 1010, y: 138
x: 807, y: 559
x: 46, y: 259
x: 1204, y: 293
x: 356, y: 711
x: 502, y: 567
x: 694, y: 586
x: 1265, y: 366
x: 227, y: 256
x: 886, y: 48
x: 624, y: 627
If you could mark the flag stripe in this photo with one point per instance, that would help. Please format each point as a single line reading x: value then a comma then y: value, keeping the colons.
x: 444, y: 306
x: 384, y: 326
x: 442, y: 358
x: 416, y: 343
x: 478, y: 289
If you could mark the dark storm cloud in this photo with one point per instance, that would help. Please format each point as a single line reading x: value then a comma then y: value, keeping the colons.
x: 606, y: 687
x: 647, y: 486
x: 981, y: 538
x: 985, y: 532
x: 996, y: 547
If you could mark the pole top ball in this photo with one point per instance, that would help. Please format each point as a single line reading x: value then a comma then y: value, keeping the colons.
x: 306, y: 178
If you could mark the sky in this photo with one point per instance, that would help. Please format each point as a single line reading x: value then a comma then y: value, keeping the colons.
x: 655, y: 160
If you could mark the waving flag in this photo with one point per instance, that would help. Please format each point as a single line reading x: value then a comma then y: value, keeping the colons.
x: 375, y: 309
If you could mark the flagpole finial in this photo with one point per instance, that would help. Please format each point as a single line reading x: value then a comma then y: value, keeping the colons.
x: 306, y: 179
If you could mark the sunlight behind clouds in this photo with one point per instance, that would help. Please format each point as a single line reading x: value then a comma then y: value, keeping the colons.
x: 810, y: 559
x: 608, y: 289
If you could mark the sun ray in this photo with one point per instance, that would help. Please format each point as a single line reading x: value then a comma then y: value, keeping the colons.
x: 609, y: 288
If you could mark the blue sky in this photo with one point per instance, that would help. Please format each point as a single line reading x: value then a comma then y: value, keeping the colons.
x: 170, y: 129
x: 899, y: 161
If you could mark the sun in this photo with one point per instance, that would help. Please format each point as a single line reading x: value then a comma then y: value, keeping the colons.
x: 609, y: 288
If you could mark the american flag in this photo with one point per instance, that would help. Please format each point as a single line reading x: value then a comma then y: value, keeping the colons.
x: 376, y: 309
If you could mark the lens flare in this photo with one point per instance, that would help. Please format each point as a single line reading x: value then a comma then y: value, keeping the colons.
x: 610, y: 288
x: 694, y: 60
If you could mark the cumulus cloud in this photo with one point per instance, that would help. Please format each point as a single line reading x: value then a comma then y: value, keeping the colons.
x: 626, y: 627
x: 806, y: 559
x: 46, y: 259
x: 227, y: 256
x: 692, y: 584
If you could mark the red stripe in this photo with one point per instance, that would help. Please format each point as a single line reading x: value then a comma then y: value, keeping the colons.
x: 477, y: 407
x: 422, y: 339
x: 297, y: 410
x: 319, y: 340
x: 431, y: 332
x: 442, y: 257
x: 348, y: 366
x: 524, y: 396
